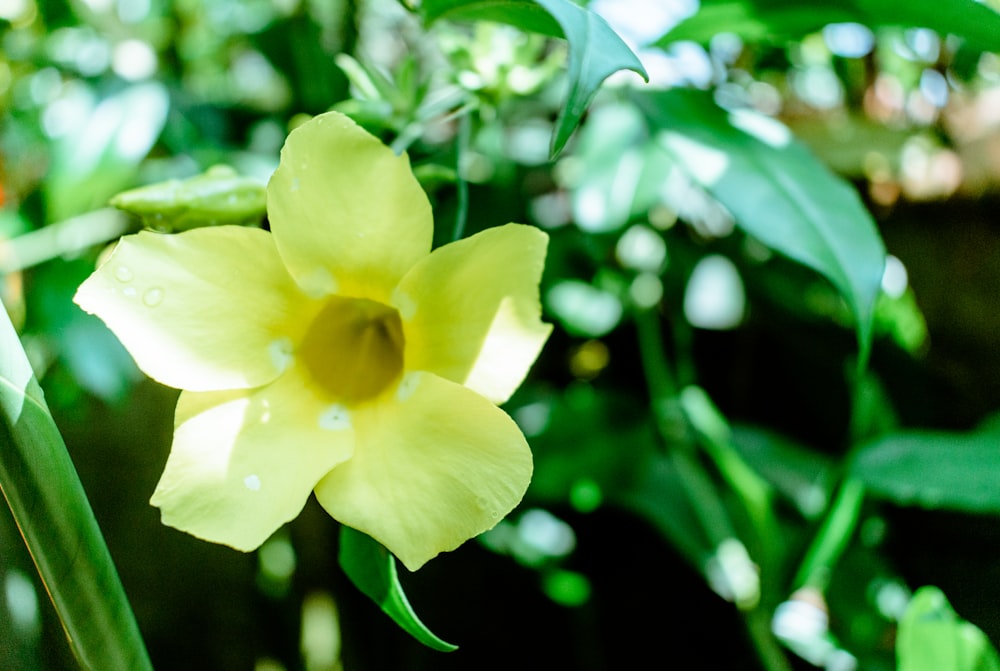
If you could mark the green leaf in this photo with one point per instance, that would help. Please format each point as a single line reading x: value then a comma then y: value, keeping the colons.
x: 778, y: 21
x: 372, y: 569
x: 96, y: 158
x: 52, y: 511
x: 595, y: 50
x: 595, y: 53
x: 932, y: 637
x: 777, y: 191
x: 523, y: 14
x: 934, y: 469
x: 216, y: 197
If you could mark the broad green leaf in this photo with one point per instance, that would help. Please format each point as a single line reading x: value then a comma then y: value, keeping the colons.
x: 934, y: 469
x: 776, y: 20
x: 595, y: 50
x: 372, y: 569
x: 96, y: 156
x: 932, y: 637
x: 47, y: 500
x: 777, y: 191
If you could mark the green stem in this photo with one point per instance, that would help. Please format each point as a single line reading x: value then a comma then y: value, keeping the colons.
x: 461, y: 185
x: 673, y: 429
x: 833, y: 536
x: 54, y: 516
x: 769, y: 651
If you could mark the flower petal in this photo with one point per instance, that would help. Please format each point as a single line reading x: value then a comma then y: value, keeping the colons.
x: 346, y: 212
x: 209, y: 309
x: 435, y: 465
x: 244, y: 462
x: 471, y: 311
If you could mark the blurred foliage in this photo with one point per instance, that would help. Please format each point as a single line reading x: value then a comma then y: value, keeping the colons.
x: 797, y: 191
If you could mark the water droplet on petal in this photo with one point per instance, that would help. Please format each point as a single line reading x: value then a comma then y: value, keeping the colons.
x: 407, y: 306
x: 152, y: 297
x: 280, y: 351
x: 252, y: 482
x: 124, y: 274
x: 130, y: 292
x: 407, y: 386
x: 319, y: 282
x: 335, y: 418
x: 295, y: 185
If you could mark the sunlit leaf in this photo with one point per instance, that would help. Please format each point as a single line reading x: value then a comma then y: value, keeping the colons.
x: 595, y: 50
x: 44, y: 493
x: 932, y: 637
x: 97, y: 154
x: 777, y: 191
x: 934, y: 469
x: 373, y: 571
x: 775, y: 20
x: 584, y: 310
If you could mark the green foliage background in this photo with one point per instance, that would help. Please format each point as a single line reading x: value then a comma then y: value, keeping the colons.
x: 754, y: 444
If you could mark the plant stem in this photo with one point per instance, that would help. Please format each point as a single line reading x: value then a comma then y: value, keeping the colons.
x: 461, y: 185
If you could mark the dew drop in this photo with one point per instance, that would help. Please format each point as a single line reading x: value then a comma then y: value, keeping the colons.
x: 252, y: 482
x: 280, y: 351
x: 130, y: 292
x: 335, y: 418
x: 319, y: 282
x: 407, y: 306
x: 152, y: 297
x: 124, y: 274
x: 407, y: 386
x: 295, y: 185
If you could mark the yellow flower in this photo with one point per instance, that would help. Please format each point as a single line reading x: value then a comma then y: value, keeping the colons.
x: 336, y: 354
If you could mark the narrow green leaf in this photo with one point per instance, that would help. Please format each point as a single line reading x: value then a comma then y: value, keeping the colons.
x: 934, y: 469
x: 595, y: 50
x: 777, y: 190
x: 51, y: 509
x: 595, y: 53
x: 779, y: 21
x: 932, y: 637
x: 372, y: 569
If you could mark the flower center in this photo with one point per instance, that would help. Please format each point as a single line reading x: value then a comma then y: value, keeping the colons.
x: 354, y: 348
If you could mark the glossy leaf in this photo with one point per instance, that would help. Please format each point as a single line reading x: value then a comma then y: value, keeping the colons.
x: 595, y: 53
x: 932, y: 637
x: 47, y: 500
x: 777, y: 21
x: 216, y: 197
x: 777, y: 191
x: 934, y: 469
x: 372, y: 569
x: 595, y: 50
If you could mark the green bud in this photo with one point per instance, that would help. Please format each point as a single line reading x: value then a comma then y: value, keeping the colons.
x: 218, y: 196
